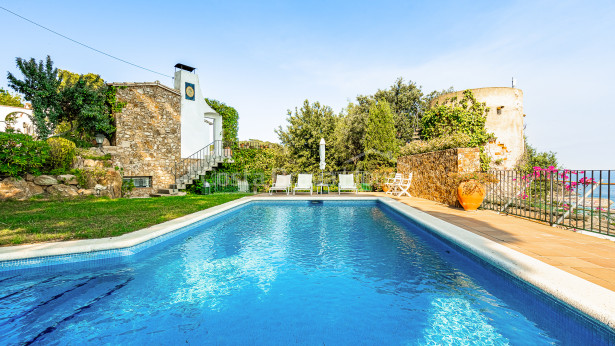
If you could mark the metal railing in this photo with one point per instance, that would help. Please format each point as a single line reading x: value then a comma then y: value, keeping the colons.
x: 197, y: 163
x: 579, y: 199
x: 260, y: 181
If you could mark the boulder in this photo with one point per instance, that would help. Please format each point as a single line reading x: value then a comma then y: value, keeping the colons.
x: 62, y: 190
x: 68, y: 179
x: 45, y: 180
x: 106, y: 193
x: 29, y: 177
x: 90, y: 180
x: 113, y: 181
x: 35, y: 189
x: 86, y: 192
x: 92, y: 163
x: 16, y: 189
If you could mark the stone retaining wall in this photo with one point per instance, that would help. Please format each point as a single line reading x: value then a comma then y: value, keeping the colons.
x: 107, y: 183
x: 431, y: 172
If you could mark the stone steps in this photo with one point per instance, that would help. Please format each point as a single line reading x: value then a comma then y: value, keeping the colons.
x: 182, y: 182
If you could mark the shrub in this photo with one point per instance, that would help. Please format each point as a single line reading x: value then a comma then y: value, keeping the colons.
x: 459, y: 116
x: 127, y: 187
x: 455, y: 140
x: 21, y: 154
x: 62, y: 153
x: 230, y: 121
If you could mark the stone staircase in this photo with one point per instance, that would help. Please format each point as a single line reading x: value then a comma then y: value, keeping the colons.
x: 192, y: 168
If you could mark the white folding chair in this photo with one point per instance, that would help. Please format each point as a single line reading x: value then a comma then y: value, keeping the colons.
x: 392, y: 183
x: 404, y: 186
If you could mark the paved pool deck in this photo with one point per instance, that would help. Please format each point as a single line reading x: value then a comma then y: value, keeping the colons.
x: 585, y: 256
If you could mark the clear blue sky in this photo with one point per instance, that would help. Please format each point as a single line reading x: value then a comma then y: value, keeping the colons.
x: 268, y: 56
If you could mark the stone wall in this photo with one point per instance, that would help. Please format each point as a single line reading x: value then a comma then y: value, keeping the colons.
x: 431, y: 172
x: 148, y: 137
x: 106, y: 183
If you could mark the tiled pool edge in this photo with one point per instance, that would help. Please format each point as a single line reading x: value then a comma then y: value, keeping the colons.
x: 592, y: 299
x: 22, y: 252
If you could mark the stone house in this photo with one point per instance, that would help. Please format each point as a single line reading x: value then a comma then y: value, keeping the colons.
x: 160, y: 129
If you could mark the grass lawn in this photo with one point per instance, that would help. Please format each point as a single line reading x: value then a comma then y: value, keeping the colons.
x: 39, y: 221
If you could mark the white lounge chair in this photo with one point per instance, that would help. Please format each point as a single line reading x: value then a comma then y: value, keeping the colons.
x: 347, y: 183
x: 392, y: 183
x: 404, y: 186
x: 282, y: 183
x: 304, y: 183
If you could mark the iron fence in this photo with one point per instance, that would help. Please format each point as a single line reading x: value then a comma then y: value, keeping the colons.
x: 260, y: 181
x: 579, y: 199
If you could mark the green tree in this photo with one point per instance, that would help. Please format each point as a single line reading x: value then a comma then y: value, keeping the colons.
x: 230, y: 121
x: 429, y: 98
x: 533, y: 158
x: 406, y: 103
x: 302, y: 136
x: 7, y: 99
x: 69, y: 78
x: 40, y: 87
x: 349, y: 137
x: 380, y: 143
x: 82, y: 103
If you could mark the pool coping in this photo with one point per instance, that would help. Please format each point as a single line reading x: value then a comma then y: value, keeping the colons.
x: 592, y: 299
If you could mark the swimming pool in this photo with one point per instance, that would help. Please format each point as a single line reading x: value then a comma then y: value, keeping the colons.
x: 333, y: 272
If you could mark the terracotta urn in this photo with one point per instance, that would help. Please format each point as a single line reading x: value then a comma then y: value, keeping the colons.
x: 385, y: 188
x: 470, y: 194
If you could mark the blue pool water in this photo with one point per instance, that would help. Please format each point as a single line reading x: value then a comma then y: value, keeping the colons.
x: 285, y: 273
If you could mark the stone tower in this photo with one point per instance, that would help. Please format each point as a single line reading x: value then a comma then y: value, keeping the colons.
x: 504, y: 119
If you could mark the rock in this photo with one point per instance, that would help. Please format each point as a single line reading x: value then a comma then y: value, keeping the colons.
x: 62, y: 190
x: 105, y: 193
x: 113, y: 181
x: 45, y: 180
x: 29, y: 177
x: 86, y: 192
x: 67, y: 179
x: 106, y: 142
x: 16, y: 189
x: 90, y: 181
x: 35, y: 189
x: 92, y: 163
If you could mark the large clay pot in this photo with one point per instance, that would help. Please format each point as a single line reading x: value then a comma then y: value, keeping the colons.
x: 471, y: 201
x: 385, y: 188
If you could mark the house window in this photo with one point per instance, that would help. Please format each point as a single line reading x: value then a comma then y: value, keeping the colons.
x: 140, y: 181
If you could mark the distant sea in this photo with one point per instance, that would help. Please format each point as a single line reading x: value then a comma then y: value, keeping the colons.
x: 603, y: 190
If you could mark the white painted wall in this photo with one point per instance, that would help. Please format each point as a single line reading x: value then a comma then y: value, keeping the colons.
x: 195, y: 132
x: 22, y: 122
